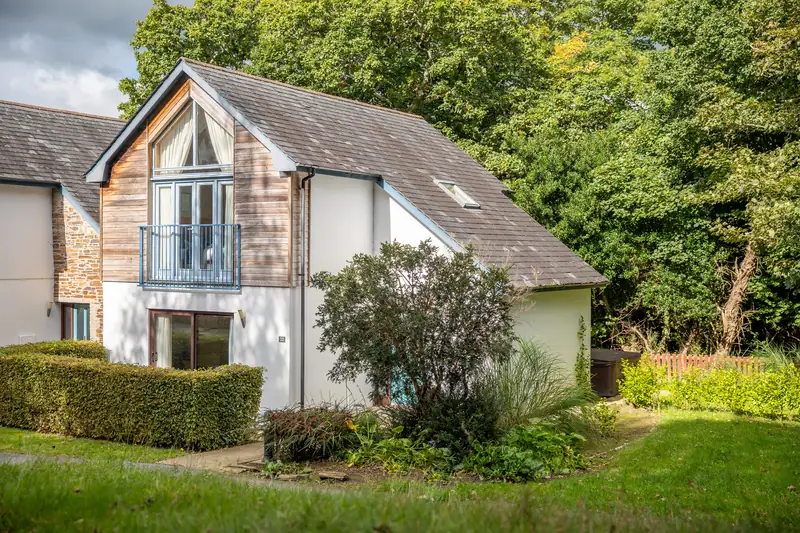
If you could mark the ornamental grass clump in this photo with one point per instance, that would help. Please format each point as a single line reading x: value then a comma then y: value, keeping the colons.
x: 533, y: 383
x: 317, y: 432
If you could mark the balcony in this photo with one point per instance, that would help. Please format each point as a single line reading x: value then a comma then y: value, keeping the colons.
x: 190, y: 256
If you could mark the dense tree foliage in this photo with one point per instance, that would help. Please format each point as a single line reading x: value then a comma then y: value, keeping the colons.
x: 660, y: 139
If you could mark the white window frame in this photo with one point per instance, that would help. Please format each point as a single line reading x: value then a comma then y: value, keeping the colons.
x: 463, y: 199
x: 217, y: 212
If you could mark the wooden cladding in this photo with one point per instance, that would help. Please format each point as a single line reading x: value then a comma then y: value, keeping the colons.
x: 263, y: 208
x: 162, y: 119
x: 123, y: 209
x: 265, y: 204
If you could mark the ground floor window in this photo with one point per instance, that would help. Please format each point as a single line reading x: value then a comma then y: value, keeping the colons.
x: 188, y: 340
x: 75, y: 322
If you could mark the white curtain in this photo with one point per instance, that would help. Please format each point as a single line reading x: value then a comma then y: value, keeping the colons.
x: 221, y: 141
x: 227, y: 218
x: 161, y: 242
x: 174, y: 147
x: 164, y: 341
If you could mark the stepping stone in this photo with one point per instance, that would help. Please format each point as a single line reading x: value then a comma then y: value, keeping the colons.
x: 338, y: 476
x: 291, y: 477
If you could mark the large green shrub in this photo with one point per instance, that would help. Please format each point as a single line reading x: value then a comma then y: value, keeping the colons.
x: 425, y: 322
x: 771, y: 394
x: 202, y: 409
x: 641, y: 383
x: 66, y: 348
x: 452, y: 423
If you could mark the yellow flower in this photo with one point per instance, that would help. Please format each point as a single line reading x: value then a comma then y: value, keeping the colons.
x: 351, y: 425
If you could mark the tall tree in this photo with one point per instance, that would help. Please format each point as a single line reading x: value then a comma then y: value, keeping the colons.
x: 657, y: 138
x: 222, y: 32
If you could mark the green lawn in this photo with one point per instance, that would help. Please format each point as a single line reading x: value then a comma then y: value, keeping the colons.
x: 14, y: 440
x: 695, y: 472
x: 693, y: 463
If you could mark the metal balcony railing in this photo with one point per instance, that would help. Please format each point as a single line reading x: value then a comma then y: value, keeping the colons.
x: 190, y: 256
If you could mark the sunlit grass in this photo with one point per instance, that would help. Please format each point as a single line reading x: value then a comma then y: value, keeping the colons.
x: 14, y: 440
x: 694, y: 464
x: 695, y: 472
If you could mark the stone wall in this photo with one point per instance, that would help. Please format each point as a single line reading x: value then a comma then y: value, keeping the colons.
x: 76, y: 262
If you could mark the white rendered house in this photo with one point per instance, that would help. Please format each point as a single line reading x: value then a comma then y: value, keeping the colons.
x: 226, y: 191
x: 50, y: 243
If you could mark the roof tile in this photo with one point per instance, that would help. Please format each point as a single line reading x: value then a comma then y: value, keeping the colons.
x: 53, y: 146
x: 329, y: 132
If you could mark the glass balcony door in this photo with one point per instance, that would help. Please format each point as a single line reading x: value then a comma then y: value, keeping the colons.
x: 193, y: 237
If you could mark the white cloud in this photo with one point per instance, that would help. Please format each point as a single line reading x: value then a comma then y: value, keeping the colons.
x: 75, y: 88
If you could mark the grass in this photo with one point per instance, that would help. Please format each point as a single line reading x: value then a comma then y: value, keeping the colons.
x: 14, y: 440
x: 695, y: 472
x: 696, y: 464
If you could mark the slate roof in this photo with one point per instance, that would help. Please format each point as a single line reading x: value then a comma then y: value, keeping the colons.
x: 332, y: 133
x: 54, y: 146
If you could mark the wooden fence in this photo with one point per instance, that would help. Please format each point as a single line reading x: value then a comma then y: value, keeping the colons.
x: 677, y: 364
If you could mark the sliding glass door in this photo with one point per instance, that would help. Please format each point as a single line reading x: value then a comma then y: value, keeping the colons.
x: 187, y: 341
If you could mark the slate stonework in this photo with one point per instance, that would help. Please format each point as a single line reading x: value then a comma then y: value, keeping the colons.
x: 76, y: 261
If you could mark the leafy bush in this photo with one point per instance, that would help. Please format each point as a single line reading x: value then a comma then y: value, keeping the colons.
x: 771, y: 394
x: 601, y: 418
x: 452, y: 423
x: 528, y: 453
x: 641, y: 383
x: 201, y: 409
x: 532, y: 383
x: 296, y: 434
x: 66, y: 348
x: 426, y: 323
x: 395, y: 453
x: 504, y: 463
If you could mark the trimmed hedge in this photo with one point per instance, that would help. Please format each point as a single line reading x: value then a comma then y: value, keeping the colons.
x: 81, y: 349
x: 769, y: 394
x: 197, y: 410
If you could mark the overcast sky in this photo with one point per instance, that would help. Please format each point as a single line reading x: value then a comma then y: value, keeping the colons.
x: 68, y: 54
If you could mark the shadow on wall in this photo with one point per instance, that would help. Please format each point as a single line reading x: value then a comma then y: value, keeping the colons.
x: 254, y: 344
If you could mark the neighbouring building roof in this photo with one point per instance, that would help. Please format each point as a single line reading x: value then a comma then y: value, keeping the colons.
x: 54, y: 147
x: 329, y: 133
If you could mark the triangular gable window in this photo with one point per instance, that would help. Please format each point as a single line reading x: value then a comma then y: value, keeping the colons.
x: 193, y: 143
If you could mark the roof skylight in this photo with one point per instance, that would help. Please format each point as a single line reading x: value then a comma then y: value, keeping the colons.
x: 458, y: 194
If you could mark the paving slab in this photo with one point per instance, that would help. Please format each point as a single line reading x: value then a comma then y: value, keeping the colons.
x: 224, y: 460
